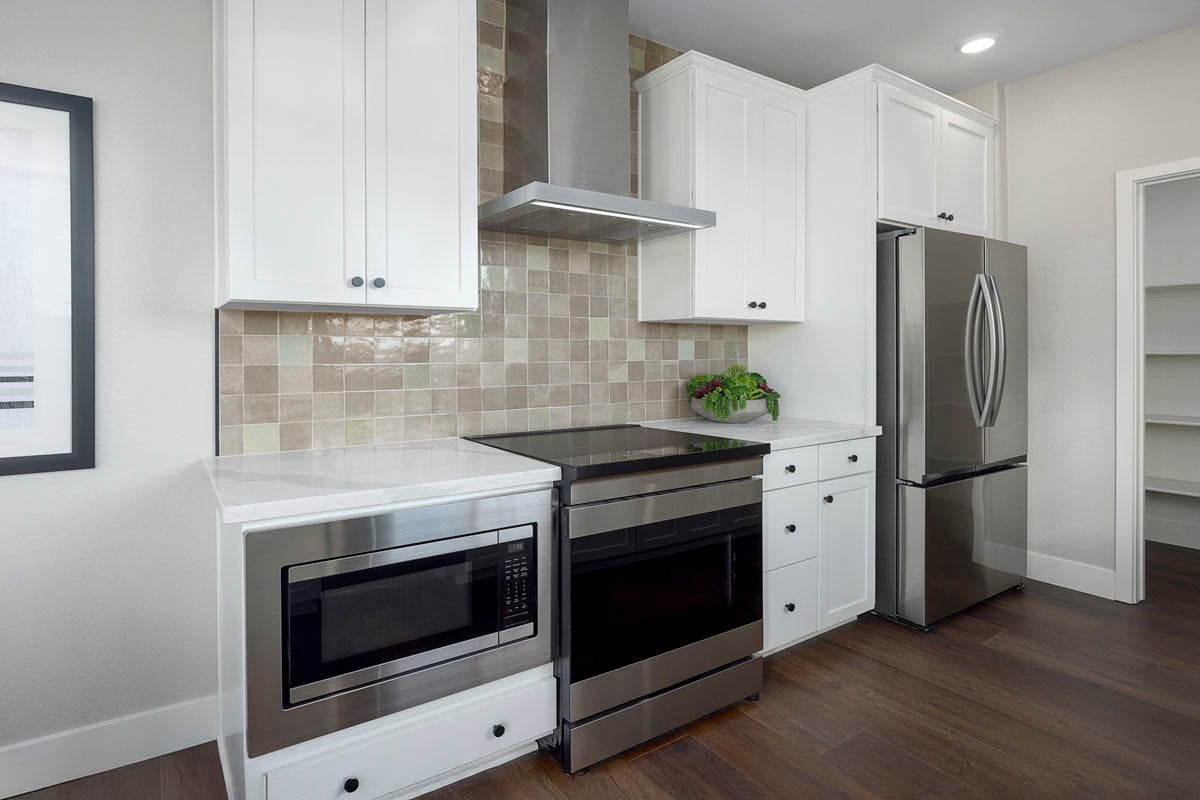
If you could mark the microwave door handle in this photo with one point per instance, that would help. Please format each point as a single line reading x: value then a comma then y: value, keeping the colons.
x: 994, y: 333
x: 971, y: 346
x: 395, y: 555
x: 1000, y: 367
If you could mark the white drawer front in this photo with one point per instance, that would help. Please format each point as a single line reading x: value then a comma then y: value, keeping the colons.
x: 847, y: 458
x: 790, y: 525
x: 789, y: 468
x: 420, y: 752
x: 789, y: 603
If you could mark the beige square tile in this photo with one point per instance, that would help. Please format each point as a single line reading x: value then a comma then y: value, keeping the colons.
x: 229, y: 380
x: 259, y: 408
x: 331, y: 405
x: 360, y: 377
x: 229, y: 321
x: 419, y: 427
x: 389, y: 429
x: 260, y: 438
x: 230, y: 349
x: 360, y: 431
x: 261, y: 380
x: 295, y: 379
x: 389, y: 325
x: 418, y: 401
x: 329, y: 324
x: 295, y: 323
x: 296, y: 350
x: 470, y: 423
x: 230, y: 440
x: 444, y: 401
x: 389, y: 403
x: 260, y: 350
x: 329, y: 433
x: 389, y: 376
x: 328, y: 378
x: 261, y: 322
x: 389, y: 350
x: 444, y: 425
x: 295, y: 436
x: 360, y: 325
x: 295, y: 407
x: 360, y: 405
x: 360, y: 350
x: 329, y: 349
x: 230, y: 412
x: 443, y: 376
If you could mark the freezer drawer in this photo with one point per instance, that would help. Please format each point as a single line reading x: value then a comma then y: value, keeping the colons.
x: 959, y: 543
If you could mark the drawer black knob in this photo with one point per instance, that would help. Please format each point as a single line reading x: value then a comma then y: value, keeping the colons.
x: 942, y: 215
x: 790, y: 528
x: 828, y: 498
x: 790, y: 606
x: 790, y: 468
x: 497, y: 731
x: 379, y: 283
x: 763, y: 304
x: 854, y: 459
x: 754, y: 304
x: 949, y: 218
x: 351, y: 785
x: 356, y: 281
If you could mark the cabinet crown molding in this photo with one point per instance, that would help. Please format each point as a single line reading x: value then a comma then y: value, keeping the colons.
x: 881, y: 74
x: 693, y: 59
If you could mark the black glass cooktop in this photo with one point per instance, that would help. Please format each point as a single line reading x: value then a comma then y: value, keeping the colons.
x: 617, y: 449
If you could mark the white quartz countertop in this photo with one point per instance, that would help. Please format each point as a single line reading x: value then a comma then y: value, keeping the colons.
x: 783, y: 434
x: 272, y: 485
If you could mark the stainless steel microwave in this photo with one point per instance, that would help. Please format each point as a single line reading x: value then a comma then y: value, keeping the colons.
x: 351, y: 620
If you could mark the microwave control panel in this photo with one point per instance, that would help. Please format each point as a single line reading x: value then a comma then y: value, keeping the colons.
x: 518, y: 577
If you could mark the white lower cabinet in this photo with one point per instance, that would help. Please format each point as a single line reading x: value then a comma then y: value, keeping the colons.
x: 847, y: 536
x: 818, y: 539
x: 790, y: 602
x: 417, y: 753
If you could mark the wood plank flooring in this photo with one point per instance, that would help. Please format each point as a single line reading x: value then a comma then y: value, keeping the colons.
x: 1049, y: 693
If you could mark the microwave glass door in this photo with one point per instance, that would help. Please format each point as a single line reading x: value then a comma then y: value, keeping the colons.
x: 354, y: 620
x: 642, y: 591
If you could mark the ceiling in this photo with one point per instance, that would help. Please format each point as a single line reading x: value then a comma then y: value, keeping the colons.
x: 806, y: 42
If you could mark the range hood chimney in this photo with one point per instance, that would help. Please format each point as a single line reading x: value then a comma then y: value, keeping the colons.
x: 566, y: 129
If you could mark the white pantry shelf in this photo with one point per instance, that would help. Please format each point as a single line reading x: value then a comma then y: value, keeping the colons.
x: 1172, y: 486
x: 1172, y: 419
x: 1173, y: 352
x: 1167, y: 288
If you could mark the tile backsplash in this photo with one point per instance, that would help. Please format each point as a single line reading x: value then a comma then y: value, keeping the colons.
x: 555, y: 343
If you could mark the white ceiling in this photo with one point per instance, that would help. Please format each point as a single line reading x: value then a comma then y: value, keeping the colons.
x: 807, y: 42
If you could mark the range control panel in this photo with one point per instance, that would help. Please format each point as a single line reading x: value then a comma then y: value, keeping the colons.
x: 518, y: 577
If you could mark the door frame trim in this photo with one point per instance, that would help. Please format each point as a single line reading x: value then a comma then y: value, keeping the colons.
x: 1129, y: 490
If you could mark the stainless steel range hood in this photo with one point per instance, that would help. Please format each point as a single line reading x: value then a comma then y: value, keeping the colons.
x: 566, y: 129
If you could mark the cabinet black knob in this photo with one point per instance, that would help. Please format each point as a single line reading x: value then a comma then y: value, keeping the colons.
x: 949, y: 218
x: 356, y: 281
x: 790, y: 528
x: 497, y: 731
x: 790, y: 606
x: 828, y: 498
x: 351, y: 785
x: 854, y: 459
x: 763, y: 304
x: 942, y: 215
x: 379, y: 283
x: 790, y: 467
x: 754, y: 304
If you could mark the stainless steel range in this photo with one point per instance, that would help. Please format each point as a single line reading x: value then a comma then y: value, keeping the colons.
x: 659, y: 581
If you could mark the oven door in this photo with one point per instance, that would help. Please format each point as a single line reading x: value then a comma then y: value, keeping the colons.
x: 355, y: 620
x: 661, y: 589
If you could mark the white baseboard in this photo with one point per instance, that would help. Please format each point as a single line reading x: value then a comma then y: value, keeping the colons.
x: 37, y: 763
x: 1074, y: 575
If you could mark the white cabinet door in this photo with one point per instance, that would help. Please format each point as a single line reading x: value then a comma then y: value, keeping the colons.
x: 965, y: 180
x: 847, y: 544
x: 775, y: 276
x: 422, y: 220
x: 789, y: 604
x: 294, y: 166
x: 728, y: 120
x: 909, y: 132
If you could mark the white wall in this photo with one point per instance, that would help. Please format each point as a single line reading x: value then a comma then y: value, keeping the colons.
x: 1069, y: 131
x: 108, y: 575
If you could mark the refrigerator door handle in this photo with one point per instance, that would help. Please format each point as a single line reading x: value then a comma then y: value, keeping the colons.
x: 990, y: 399
x: 971, y: 347
x: 1000, y: 340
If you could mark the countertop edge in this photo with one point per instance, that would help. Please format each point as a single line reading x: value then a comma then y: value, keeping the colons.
x: 843, y: 431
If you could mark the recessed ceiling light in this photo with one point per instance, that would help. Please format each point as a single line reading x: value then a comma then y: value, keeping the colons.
x: 977, y: 44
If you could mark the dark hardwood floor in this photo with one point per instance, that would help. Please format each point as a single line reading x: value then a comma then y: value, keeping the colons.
x: 1049, y: 693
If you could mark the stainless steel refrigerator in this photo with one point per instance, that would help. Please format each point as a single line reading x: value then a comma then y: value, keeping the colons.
x: 953, y: 405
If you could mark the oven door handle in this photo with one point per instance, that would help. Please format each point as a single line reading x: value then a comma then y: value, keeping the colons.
x: 395, y: 555
x: 619, y: 514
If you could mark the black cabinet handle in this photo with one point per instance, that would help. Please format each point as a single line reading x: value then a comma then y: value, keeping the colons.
x: 754, y: 304
x: 942, y: 215
x: 790, y: 467
x: 763, y: 304
x: 790, y: 606
x: 949, y: 218
x: 356, y: 281
x: 790, y: 528
x: 497, y: 731
x: 828, y: 498
x: 351, y: 785
x: 379, y: 283
x: 854, y: 458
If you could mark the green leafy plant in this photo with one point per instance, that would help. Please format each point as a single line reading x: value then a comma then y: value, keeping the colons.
x: 731, y: 390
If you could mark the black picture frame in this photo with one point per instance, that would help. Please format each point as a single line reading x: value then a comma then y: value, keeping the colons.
x: 83, y: 283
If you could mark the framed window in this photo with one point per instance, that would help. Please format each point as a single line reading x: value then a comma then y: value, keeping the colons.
x: 47, y: 282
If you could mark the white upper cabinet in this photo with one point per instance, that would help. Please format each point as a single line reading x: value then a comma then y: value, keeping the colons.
x: 349, y: 175
x: 935, y: 165
x: 718, y: 137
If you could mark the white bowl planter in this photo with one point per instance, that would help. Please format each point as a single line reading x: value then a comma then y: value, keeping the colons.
x: 753, y: 410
